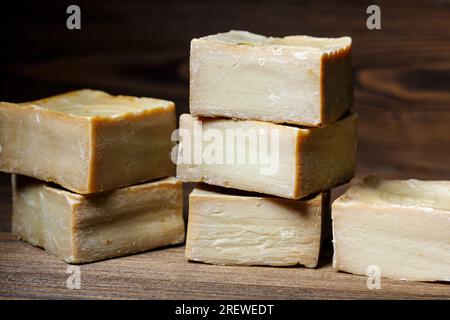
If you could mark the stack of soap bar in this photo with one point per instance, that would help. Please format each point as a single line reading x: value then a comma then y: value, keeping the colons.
x: 98, y: 148
x: 249, y: 229
x: 88, y: 141
x: 299, y: 79
x: 401, y: 228
x: 268, y: 115
x: 79, y: 228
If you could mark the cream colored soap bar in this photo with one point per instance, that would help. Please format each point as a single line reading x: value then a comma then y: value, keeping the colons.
x: 398, y: 229
x: 285, y: 161
x: 88, y: 141
x: 298, y: 79
x: 81, y: 229
x: 229, y: 228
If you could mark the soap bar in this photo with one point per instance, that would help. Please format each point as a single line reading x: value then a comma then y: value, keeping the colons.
x: 81, y: 229
x: 285, y: 161
x: 88, y: 141
x: 399, y: 229
x: 297, y: 79
x: 228, y: 227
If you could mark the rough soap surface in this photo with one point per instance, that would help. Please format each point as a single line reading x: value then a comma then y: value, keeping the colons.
x: 82, y: 229
x: 401, y: 227
x: 88, y: 141
x: 306, y: 160
x: 248, y: 229
x: 297, y: 79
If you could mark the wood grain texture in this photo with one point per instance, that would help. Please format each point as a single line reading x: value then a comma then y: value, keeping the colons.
x: 28, y: 272
x: 401, y: 78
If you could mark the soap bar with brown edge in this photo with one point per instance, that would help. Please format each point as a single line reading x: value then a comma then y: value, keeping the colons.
x: 398, y: 229
x: 88, y: 141
x: 296, y: 79
x: 84, y: 228
x: 286, y: 161
x: 231, y: 227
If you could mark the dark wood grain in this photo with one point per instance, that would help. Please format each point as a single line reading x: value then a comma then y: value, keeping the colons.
x: 401, y: 78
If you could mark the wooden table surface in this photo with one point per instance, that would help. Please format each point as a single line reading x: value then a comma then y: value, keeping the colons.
x: 401, y: 79
x: 29, y: 272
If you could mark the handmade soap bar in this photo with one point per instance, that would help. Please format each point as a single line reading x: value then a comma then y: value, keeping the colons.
x: 80, y: 229
x: 263, y: 157
x: 88, y: 141
x: 230, y: 228
x: 297, y: 79
x: 399, y: 229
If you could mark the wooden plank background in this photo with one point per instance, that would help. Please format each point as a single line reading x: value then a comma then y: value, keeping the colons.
x: 402, y: 94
